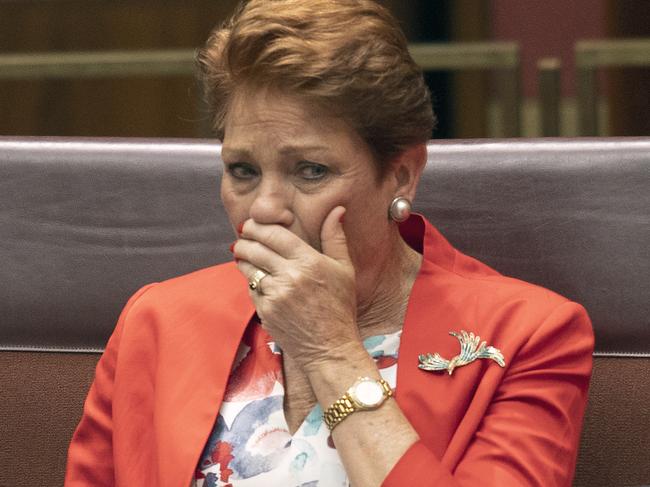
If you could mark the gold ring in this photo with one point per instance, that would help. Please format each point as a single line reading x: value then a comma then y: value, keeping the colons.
x: 255, y: 281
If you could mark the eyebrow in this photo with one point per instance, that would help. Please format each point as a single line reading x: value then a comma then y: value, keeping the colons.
x: 238, y: 152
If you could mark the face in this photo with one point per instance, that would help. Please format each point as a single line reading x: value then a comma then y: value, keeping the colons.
x: 288, y: 164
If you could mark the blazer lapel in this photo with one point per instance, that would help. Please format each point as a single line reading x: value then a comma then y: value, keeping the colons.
x: 435, y: 402
x: 191, y: 391
x: 423, y: 396
x: 427, y: 399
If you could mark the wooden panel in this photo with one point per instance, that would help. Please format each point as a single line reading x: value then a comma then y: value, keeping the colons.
x: 628, y: 89
x: 470, y: 22
x: 157, y: 107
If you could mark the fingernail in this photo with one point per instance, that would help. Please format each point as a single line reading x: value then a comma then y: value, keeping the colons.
x: 240, y: 228
x: 342, y: 218
x: 232, y: 247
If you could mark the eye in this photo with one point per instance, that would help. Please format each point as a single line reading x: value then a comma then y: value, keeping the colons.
x: 312, y: 171
x: 242, y: 170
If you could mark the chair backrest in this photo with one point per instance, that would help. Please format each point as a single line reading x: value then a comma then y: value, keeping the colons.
x: 85, y: 222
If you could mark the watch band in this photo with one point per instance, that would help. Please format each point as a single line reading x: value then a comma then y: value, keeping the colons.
x: 346, y: 405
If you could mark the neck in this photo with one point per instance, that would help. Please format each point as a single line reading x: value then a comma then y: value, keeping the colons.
x: 382, y: 310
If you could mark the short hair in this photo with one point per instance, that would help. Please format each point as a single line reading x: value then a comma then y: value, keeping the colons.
x: 349, y: 57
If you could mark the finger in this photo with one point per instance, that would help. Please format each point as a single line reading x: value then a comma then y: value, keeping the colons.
x: 249, y: 270
x: 259, y: 255
x: 332, y: 236
x: 276, y: 237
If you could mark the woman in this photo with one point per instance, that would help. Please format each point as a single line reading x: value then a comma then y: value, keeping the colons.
x: 323, y: 355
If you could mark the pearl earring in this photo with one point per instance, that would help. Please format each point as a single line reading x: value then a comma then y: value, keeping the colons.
x: 400, y: 209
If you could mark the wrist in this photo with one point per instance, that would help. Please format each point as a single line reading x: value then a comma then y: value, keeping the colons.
x: 366, y: 394
x: 333, y: 375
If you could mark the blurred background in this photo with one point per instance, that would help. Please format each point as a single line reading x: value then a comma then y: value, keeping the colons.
x: 495, y: 67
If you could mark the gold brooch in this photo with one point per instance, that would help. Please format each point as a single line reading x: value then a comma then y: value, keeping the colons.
x: 470, y: 350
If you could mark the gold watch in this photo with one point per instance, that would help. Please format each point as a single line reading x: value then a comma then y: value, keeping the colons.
x: 365, y: 394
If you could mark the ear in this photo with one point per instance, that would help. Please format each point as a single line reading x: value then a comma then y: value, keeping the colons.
x: 407, y: 168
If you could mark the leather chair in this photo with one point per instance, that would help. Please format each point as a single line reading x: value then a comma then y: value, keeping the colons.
x: 86, y: 222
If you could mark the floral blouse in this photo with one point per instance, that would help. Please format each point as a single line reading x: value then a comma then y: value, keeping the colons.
x: 250, y: 443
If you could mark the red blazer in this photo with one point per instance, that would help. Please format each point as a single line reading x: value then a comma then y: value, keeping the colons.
x: 159, y: 385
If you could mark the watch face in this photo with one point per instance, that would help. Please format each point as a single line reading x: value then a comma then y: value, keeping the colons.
x: 369, y: 393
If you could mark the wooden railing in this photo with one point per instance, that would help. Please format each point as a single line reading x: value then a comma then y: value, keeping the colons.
x: 591, y: 55
x: 501, y: 57
x: 549, y: 94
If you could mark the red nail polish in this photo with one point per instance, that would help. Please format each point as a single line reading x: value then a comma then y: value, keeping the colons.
x: 232, y: 247
x: 342, y: 218
x: 240, y: 228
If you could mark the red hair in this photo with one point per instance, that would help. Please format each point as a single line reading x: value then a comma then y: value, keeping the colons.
x: 348, y: 57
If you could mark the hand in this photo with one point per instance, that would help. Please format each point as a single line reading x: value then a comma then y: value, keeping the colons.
x: 307, y: 302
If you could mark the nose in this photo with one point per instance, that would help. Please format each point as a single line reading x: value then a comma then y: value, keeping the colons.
x: 272, y: 203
